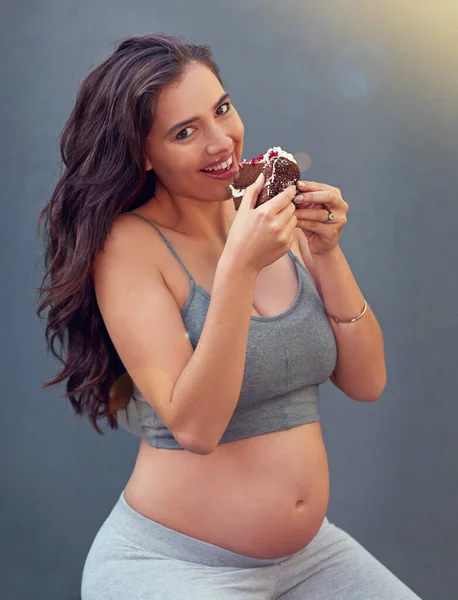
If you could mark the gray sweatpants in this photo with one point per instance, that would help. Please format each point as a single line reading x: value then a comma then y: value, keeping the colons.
x: 135, y: 558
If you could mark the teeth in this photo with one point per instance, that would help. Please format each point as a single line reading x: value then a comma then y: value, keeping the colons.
x: 224, y: 165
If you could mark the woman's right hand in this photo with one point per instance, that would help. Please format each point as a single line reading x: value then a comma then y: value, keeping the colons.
x: 260, y: 236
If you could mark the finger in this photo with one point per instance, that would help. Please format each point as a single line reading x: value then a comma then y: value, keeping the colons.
x: 319, y: 197
x: 278, y: 202
x: 313, y: 186
x: 312, y: 214
x: 324, y: 230
x: 252, y: 192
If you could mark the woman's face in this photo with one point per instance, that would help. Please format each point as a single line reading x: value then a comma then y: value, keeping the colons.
x: 178, y: 150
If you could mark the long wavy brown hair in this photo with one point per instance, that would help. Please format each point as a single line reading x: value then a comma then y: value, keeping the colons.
x: 102, y: 146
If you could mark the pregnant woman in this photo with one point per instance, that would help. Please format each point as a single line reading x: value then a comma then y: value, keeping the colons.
x: 215, y: 327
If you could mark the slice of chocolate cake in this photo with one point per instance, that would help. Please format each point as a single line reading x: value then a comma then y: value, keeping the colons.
x: 279, y: 167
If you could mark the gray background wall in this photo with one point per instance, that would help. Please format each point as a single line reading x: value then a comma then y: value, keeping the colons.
x: 369, y: 91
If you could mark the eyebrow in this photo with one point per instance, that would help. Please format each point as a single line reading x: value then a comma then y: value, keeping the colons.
x: 183, y: 124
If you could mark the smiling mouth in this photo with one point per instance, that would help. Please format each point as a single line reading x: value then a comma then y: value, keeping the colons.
x: 223, y: 174
x: 224, y: 166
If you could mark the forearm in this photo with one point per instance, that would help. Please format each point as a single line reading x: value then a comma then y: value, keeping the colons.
x: 360, y: 371
x: 207, y: 391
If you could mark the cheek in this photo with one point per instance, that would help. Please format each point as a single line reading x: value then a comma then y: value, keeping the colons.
x: 169, y: 168
x: 179, y: 161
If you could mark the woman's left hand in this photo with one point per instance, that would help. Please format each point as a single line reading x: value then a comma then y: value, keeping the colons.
x: 312, y: 216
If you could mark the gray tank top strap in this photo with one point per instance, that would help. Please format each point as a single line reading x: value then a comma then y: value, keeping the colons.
x: 172, y: 249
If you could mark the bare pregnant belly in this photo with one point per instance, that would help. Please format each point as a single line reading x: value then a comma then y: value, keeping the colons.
x: 264, y: 496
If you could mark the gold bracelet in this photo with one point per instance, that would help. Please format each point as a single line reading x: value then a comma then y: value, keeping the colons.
x: 352, y: 320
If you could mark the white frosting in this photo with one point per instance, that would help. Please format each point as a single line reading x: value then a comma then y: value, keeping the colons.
x: 235, y: 192
x: 238, y: 193
x: 282, y: 153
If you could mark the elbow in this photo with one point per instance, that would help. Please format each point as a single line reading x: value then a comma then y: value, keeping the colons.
x: 202, y: 450
x: 367, y: 394
x: 190, y: 444
x: 372, y: 394
x: 190, y: 439
x: 198, y: 449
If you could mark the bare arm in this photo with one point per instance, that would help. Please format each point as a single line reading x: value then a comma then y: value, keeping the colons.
x: 206, y: 392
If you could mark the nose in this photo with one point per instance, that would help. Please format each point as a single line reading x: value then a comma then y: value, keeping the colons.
x: 220, y: 142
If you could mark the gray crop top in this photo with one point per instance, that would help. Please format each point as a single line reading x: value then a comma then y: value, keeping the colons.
x: 288, y: 356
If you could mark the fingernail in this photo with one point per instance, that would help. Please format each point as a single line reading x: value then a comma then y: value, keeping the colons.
x: 299, y: 198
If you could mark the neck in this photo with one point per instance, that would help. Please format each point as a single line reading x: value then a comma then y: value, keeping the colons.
x: 208, y: 222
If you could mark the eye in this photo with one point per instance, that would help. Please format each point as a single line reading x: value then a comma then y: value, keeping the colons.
x: 228, y: 104
x: 179, y: 137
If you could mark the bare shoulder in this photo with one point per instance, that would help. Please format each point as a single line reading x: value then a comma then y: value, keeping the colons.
x: 130, y: 237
